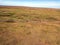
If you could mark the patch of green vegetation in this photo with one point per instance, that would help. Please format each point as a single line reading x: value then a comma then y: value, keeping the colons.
x: 7, y: 16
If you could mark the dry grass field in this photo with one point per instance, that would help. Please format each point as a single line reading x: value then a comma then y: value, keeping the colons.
x: 29, y: 26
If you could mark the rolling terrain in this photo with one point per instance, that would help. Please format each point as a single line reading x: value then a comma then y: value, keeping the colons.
x: 29, y: 26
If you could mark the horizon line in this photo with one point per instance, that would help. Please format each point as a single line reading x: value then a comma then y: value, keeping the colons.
x: 29, y: 6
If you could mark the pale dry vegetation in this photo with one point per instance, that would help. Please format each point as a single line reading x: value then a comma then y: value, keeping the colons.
x: 29, y: 26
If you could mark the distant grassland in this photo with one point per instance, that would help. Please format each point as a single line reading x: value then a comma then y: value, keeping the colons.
x: 29, y: 26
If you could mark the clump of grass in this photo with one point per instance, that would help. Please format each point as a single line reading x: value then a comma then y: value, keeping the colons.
x: 28, y: 33
x: 10, y: 21
x: 51, y: 19
x: 58, y: 28
x: 58, y: 42
x: 23, y: 17
x: 6, y: 14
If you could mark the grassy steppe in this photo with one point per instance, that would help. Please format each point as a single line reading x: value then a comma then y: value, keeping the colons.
x: 29, y: 26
